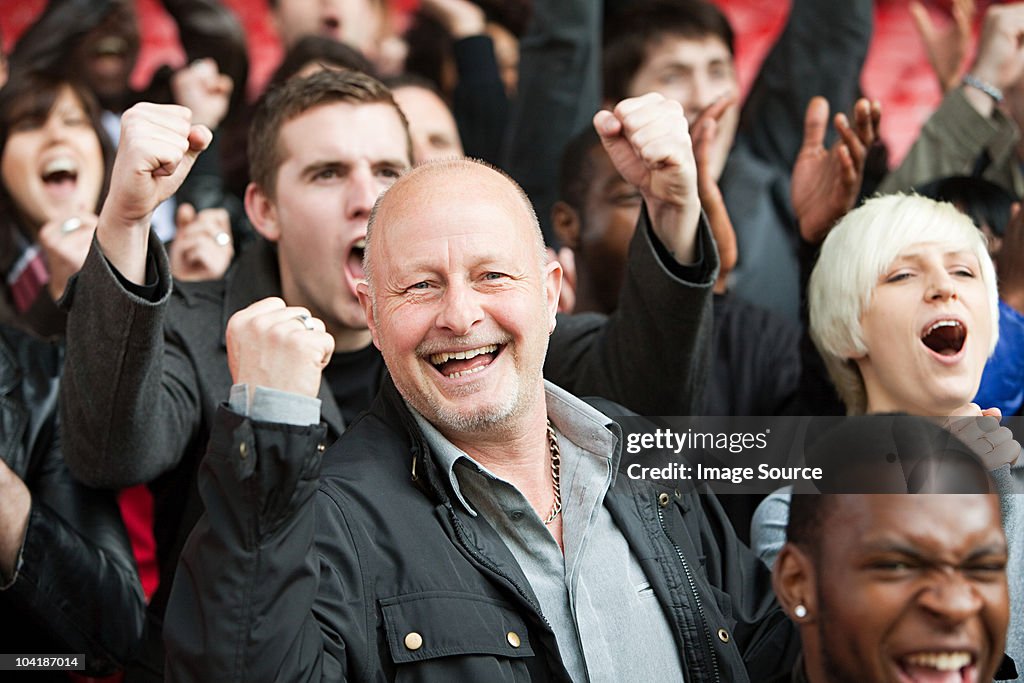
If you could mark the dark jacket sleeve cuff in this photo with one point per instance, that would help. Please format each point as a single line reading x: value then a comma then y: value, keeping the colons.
x: 277, y: 464
x: 703, y: 270
x: 155, y: 291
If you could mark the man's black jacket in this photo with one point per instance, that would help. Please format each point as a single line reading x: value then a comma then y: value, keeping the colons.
x: 294, y: 574
x: 142, y: 410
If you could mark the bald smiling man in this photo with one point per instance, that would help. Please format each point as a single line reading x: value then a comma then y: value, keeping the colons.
x: 471, y: 526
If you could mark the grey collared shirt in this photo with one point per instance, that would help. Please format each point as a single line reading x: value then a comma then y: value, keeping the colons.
x: 605, y: 616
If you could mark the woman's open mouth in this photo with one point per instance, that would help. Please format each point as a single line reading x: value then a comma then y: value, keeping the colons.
x: 945, y: 337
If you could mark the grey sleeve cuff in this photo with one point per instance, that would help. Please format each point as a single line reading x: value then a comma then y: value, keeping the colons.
x: 271, y: 405
x: 768, y: 526
x: 966, y: 127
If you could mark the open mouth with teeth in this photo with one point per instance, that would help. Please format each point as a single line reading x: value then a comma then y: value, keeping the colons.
x: 938, y: 667
x: 945, y: 337
x: 455, y: 364
x: 111, y: 46
x: 354, y: 264
x: 60, y: 176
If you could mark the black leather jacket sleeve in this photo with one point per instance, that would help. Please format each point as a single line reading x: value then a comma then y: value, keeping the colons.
x: 75, y: 573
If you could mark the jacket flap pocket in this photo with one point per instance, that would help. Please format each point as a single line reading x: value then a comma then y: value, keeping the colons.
x: 433, y: 624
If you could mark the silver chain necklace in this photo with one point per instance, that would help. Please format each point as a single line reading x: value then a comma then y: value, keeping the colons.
x: 556, y: 467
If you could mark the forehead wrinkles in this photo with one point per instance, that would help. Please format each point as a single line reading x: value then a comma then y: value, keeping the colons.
x: 431, y: 189
x: 936, y: 524
x: 372, y: 129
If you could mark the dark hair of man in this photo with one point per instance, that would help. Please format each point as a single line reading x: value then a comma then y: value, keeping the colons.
x: 408, y: 80
x: 984, y: 201
x: 808, y: 515
x: 327, y: 51
x: 577, y: 171
x: 27, y: 100
x: 429, y: 47
x: 859, y: 455
x: 298, y: 95
x: 630, y: 36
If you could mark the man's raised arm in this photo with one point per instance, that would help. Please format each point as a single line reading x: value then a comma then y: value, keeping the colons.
x: 652, y: 355
x: 158, y: 147
x: 249, y: 575
x: 128, y: 409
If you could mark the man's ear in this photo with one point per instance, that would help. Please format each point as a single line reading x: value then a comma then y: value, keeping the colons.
x: 552, y: 290
x: 363, y: 292
x: 262, y: 212
x: 566, y: 223
x: 795, y: 584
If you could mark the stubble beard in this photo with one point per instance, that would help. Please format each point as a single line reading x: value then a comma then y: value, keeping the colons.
x: 497, y: 418
x: 501, y: 417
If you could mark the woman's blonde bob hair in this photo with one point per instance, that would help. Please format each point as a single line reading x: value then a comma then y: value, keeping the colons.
x: 856, y: 253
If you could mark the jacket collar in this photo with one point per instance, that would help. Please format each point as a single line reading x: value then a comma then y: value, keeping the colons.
x: 577, y: 421
x: 424, y: 467
x: 253, y: 277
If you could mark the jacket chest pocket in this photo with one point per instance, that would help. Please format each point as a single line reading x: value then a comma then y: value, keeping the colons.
x: 452, y: 636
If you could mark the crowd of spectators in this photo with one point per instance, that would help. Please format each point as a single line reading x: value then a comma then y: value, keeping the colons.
x: 336, y: 338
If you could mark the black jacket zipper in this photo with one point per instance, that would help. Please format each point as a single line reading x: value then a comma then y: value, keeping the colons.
x: 693, y: 591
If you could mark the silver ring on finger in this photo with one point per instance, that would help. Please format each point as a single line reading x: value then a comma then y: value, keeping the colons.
x: 222, y: 239
x: 70, y: 225
x: 306, y: 321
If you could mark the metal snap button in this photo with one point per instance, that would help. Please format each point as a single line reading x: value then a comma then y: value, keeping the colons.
x: 413, y: 641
